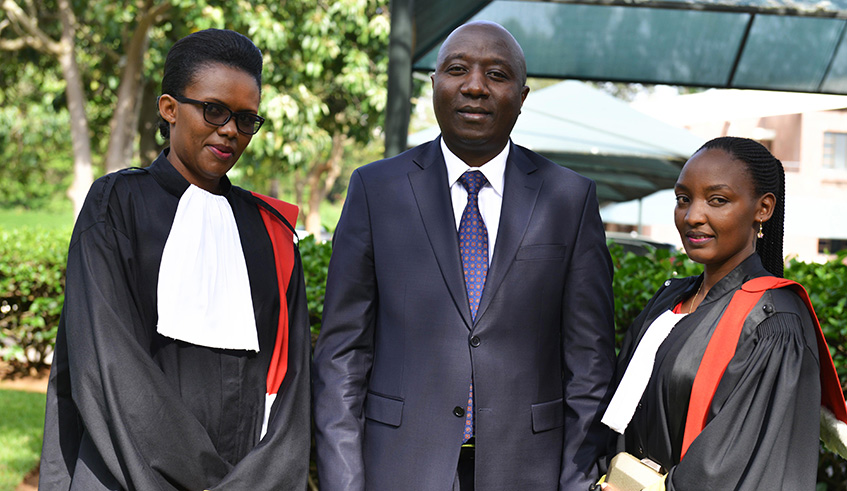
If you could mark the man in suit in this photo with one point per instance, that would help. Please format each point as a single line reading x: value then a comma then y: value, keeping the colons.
x: 467, y: 334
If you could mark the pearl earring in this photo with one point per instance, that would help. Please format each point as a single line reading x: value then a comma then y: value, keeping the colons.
x: 760, y: 234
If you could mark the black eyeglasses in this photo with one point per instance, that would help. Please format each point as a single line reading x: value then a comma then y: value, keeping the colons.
x: 219, y: 115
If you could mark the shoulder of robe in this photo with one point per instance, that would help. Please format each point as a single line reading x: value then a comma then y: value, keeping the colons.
x: 100, y: 195
x: 780, y: 301
x: 786, y: 303
x: 785, y: 300
x: 674, y: 286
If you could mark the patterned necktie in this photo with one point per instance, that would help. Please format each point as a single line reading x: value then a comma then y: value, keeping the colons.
x: 473, y: 245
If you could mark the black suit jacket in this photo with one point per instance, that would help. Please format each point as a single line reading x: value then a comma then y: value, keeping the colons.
x: 398, y: 348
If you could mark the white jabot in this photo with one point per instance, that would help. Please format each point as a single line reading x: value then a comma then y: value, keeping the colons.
x: 634, y: 381
x: 490, y: 196
x: 204, y: 291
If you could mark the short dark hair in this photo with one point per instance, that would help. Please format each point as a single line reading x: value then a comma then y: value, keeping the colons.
x: 768, y: 177
x: 201, y: 49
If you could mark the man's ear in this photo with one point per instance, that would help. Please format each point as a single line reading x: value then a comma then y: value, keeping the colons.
x: 524, y: 93
x: 167, y: 108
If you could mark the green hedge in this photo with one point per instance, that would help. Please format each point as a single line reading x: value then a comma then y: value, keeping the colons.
x: 315, y: 255
x: 32, y: 286
x: 33, y: 265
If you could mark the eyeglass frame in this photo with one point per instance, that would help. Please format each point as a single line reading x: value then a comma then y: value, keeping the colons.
x: 206, y: 104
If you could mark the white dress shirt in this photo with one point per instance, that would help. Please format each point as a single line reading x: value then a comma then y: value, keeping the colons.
x: 490, y: 196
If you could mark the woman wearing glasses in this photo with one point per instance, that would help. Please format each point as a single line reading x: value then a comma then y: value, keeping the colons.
x: 182, y: 354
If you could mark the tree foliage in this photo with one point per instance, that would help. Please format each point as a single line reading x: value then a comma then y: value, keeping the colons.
x: 324, y: 81
x: 31, y: 130
x: 325, y: 77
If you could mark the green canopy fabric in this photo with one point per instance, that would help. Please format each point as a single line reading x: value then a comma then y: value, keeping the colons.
x: 763, y: 44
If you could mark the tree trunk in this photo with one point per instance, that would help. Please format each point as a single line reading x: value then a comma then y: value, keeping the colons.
x: 83, y: 171
x: 320, y: 180
x: 299, y: 182
x: 124, y: 121
x: 148, y: 124
x: 273, y: 188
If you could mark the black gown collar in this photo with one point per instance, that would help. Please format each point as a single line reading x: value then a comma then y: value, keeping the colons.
x: 748, y: 269
x: 172, y: 181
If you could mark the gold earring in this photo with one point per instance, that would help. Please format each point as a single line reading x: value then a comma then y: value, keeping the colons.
x: 760, y: 234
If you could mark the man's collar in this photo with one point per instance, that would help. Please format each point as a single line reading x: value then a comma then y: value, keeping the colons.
x: 494, y: 170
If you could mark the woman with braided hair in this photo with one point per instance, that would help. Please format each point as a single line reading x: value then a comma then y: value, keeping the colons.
x: 759, y: 426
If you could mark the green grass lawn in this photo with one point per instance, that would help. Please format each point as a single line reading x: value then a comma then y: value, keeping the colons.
x: 21, y: 431
x: 14, y: 218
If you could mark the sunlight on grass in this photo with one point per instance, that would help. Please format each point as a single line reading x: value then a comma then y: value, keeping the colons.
x: 21, y: 430
x: 12, y: 218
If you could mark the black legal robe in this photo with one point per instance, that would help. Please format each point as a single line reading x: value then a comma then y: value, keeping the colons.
x: 128, y: 408
x: 762, y: 428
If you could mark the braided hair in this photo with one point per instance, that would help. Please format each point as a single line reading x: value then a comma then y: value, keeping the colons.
x: 202, y: 49
x: 768, y: 177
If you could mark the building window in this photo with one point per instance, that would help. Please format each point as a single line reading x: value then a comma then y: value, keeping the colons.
x: 835, y: 150
x: 831, y: 246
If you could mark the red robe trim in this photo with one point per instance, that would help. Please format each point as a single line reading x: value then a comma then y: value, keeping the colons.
x: 282, y: 239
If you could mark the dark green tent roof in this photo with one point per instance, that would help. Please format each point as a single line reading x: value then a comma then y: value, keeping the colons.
x: 762, y: 44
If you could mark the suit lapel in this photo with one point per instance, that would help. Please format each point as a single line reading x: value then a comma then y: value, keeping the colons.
x: 429, y: 185
x: 520, y: 191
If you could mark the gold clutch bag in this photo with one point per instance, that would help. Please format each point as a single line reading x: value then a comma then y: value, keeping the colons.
x: 627, y: 473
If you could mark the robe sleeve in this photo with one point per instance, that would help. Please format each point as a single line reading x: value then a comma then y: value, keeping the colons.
x: 762, y: 431
x: 137, y: 430
x: 281, y: 459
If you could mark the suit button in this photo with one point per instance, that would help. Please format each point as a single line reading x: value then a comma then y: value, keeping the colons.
x: 458, y: 411
x: 475, y: 342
